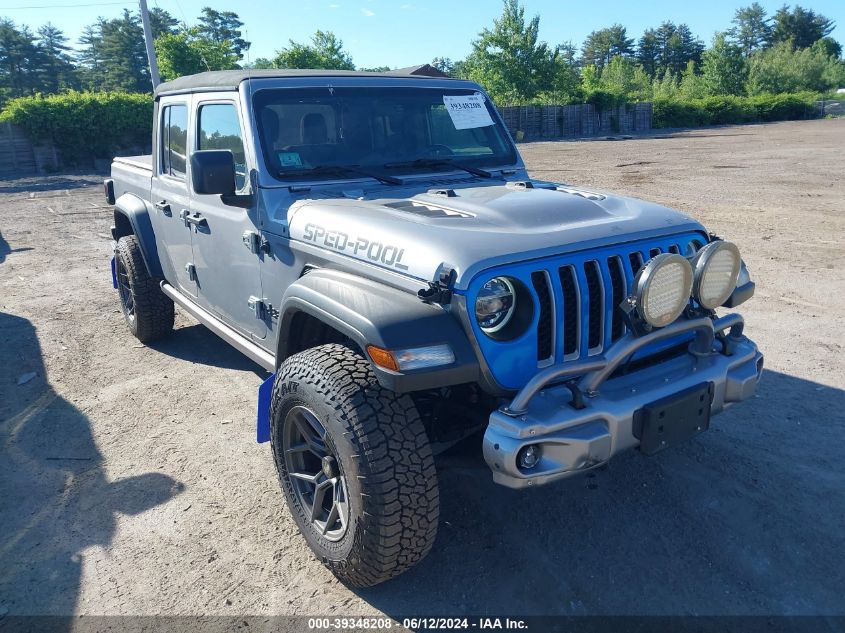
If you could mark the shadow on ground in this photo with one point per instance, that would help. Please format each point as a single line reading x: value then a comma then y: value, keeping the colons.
x: 744, y: 519
x: 55, y: 497
x: 197, y: 344
x: 47, y: 183
x: 5, y: 249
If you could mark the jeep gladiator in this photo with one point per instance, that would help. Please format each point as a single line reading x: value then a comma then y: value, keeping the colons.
x: 374, y: 241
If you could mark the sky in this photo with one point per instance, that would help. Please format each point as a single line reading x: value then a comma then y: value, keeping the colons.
x: 408, y: 32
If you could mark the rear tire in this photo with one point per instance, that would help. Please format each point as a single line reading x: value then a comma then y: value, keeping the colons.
x: 332, y: 422
x: 147, y: 310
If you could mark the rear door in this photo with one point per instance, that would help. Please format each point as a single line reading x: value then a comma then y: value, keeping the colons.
x: 169, y: 191
x: 228, y: 274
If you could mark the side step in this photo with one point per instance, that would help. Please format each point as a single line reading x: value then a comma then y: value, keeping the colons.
x: 233, y: 338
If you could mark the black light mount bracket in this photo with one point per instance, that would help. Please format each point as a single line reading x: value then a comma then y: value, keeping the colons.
x: 440, y: 291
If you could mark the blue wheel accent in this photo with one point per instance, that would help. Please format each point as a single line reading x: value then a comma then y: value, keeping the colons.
x: 265, y: 393
x: 113, y: 273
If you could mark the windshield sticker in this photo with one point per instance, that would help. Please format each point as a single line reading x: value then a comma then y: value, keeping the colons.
x: 467, y: 111
x: 289, y: 159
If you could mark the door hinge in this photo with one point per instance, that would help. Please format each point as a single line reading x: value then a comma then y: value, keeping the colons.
x: 192, y: 271
x: 256, y: 243
x: 262, y: 308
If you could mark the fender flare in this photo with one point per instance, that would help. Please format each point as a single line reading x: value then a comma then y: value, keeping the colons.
x: 372, y: 313
x: 132, y: 216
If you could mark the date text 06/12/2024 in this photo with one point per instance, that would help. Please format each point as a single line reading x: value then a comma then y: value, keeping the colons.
x: 422, y: 623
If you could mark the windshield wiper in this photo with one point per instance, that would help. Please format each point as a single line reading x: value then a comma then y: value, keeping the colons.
x: 436, y: 162
x: 343, y: 169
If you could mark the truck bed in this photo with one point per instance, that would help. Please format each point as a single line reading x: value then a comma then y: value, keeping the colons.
x: 132, y: 174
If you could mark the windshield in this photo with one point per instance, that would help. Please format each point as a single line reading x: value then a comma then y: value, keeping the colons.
x: 324, y: 133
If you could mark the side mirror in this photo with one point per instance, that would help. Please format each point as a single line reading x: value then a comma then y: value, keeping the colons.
x: 213, y: 172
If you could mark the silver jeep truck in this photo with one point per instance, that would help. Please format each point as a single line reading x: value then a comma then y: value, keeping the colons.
x: 374, y: 241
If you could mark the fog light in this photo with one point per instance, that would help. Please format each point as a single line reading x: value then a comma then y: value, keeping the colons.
x: 529, y: 456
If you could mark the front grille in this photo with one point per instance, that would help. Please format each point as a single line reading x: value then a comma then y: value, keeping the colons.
x: 579, y: 300
x: 545, y: 342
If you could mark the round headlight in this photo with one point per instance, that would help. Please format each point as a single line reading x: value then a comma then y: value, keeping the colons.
x: 716, y: 267
x: 495, y: 304
x: 662, y: 289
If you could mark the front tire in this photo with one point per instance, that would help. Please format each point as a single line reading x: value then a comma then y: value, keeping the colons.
x: 355, y: 465
x: 147, y: 310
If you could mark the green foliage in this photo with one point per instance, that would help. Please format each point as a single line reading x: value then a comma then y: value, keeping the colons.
x: 223, y: 26
x: 719, y: 110
x: 191, y: 52
x: 691, y: 85
x: 783, y: 69
x: 751, y: 30
x: 31, y: 63
x: 510, y: 61
x: 603, y: 45
x: 668, y: 48
x: 324, y: 51
x: 800, y: 27
x: 621, y: 80
x: 723, y: 68
x: 84, y: 125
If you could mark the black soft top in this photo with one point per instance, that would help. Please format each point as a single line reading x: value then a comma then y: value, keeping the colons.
x: 231, y: 79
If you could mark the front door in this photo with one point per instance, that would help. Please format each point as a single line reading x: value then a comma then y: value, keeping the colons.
x: 170, y: 197
x: 227, y: 268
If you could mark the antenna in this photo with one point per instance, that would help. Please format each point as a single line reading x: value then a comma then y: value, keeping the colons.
x: 148, y: 41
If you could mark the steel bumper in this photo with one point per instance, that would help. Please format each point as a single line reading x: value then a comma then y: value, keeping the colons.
x: 578, y: 433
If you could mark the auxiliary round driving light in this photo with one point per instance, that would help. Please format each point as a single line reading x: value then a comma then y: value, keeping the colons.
x: 662, y: 289
x: 529, y: 456
x: 717, y: 267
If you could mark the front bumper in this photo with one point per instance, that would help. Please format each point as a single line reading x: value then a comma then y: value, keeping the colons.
x: 578, y: 433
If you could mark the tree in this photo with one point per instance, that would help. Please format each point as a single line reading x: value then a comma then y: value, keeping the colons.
x: 723, y: 67
x: 603, y: 45
x: 830, y: 46
x: 444, y: 65
x: 54, y: 65
x: 802, y: 27
x: 325, y: 51
x: 220, y: 26
x: 676, y: 46
x: 89, y: 58
x: 162, y: 22
x: 752, y: 30
x: 509, y: 60
x: 648, y: 52
x: 124, y: 57
x: 625, y: 79
x: 785, y: 69
x: 692, y: 84
x: 191, y: 52
x: 18, y: 54
x: 260, y: 63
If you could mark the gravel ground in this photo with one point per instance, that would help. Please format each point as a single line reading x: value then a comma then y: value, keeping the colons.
x: 130, y: 481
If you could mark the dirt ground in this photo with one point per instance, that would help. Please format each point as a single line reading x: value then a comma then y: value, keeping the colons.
x: 131, y: 483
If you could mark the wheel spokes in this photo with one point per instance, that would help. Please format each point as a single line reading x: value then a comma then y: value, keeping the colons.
x: 313, y: 470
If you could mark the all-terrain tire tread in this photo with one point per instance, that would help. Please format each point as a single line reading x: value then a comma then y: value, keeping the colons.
x: 154, y: 311
x: 397, y: 472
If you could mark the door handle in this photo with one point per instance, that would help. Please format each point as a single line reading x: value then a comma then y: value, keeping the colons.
x: 196, y: 219
x: 162, y: 206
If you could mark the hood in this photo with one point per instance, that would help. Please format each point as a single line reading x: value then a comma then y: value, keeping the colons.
x: 473, y: 228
